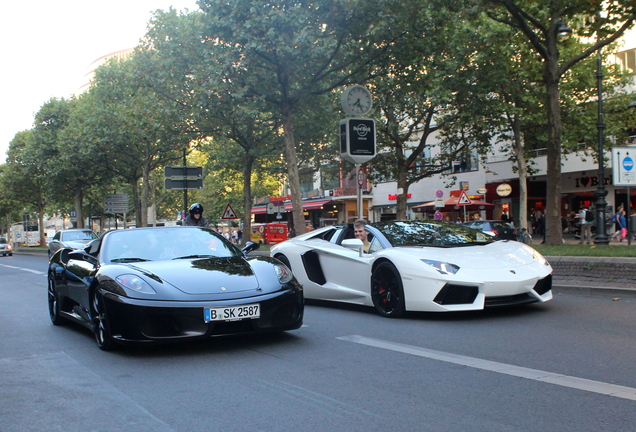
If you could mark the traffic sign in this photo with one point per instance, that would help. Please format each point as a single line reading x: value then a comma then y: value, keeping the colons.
x: 360, y: 177
x: 463, y: 199
x: 182, y: 184
x: 623, y: 170
x: 439, y: 194
x: 116, y: 203
x: 229, y: 213
x: 275, y: 207
x: 440, y: 202
x: 438, y: 216
x: 181, y: 172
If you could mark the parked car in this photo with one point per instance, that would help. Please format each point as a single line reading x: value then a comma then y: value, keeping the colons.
x: 498, y: 229
x: 74, y: 238
x: 165, y: 284
x: 433, y: 266
x: 5, y: 247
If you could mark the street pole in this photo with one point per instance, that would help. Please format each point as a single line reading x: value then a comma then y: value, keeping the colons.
x: 360, y: 183
x: 601, y: 204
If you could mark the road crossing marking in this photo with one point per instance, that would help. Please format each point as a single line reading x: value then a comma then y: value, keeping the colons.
x: 38, y: 272
x: 503, y: 368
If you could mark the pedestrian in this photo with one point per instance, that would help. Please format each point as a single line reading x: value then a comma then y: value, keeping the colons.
x: 505, y: 217
x: 621, y: 231
x: 195, y: 218
x: 586, y: 226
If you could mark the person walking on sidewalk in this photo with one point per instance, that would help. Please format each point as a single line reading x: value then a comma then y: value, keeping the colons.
x: 586, y: 226
x: 621, y: 231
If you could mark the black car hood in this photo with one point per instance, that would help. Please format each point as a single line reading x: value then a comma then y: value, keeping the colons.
x: 203, y: 275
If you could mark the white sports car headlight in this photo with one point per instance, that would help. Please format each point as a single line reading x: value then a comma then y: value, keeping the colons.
x: 135, y: 283
x: 284, y: 274
x: 536, y: 255
x: 442, y: 267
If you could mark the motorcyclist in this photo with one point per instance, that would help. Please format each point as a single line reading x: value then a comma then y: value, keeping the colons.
x: 195, y: 218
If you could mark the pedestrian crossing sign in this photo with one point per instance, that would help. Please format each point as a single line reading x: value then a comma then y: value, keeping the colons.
x: 229, y: 213
x: 463, y: 199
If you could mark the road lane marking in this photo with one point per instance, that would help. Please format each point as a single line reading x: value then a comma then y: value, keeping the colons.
x: 24, y: 269
x: 503, y: 368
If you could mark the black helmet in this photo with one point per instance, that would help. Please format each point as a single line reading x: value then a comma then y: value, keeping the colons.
x: 196, y: 209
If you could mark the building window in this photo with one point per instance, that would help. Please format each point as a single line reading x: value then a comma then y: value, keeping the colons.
x: 467, y: 162
x: 627, y: 60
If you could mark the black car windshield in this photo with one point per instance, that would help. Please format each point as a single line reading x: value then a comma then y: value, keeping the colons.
x: 165, y: 243
x: 431, y: 233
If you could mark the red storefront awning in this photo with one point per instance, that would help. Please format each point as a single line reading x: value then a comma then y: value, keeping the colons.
x: 307, y: 205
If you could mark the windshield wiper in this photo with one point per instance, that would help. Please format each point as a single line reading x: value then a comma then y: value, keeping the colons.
x: 129, y: 260
x: 194, y: 256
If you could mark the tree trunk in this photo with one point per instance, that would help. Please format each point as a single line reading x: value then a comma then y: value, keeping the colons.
x: 145, y: 187
x: 247, y: 198
x: 553, y: 233
x: 520, y: 153
x: 135, y: 191
x: 403, y: 188
x: 292, y: 172
x: 79, y: 198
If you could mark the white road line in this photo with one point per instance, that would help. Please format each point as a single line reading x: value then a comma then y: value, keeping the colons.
x: 24, y: 269
x: 517, y: 371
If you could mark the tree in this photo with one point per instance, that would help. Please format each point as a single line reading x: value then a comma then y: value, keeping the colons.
x: 26, y: 174
x: 540, y: 25
x: 139, y: 130
x: 291, y: 51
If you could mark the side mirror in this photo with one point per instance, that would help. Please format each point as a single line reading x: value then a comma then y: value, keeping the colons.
x: 249, y: 247
x: 81, y: 255
x: 354, y: 244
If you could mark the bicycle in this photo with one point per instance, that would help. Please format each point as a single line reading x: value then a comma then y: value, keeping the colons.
x: 524, y: 237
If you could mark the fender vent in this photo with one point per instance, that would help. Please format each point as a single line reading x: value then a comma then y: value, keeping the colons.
x: 313, y: 267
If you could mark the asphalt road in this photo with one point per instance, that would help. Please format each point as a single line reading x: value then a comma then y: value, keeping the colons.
x: 566, y: 365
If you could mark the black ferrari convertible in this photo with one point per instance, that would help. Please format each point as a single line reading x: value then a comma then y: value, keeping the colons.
x: 166, y: 284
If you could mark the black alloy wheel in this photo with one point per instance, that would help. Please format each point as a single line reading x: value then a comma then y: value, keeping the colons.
x: 101, y: 324
x: 54, y: 302
x: 386, y: 290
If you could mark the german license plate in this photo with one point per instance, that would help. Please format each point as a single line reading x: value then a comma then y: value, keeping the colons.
x: 232, y: 313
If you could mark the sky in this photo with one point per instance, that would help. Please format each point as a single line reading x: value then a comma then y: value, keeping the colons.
x: 49, y: 45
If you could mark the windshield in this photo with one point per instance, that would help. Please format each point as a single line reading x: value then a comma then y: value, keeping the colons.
x: 78, y: 235
x: 3, y: 240
x: 165, y: 243
x: 431, y: 233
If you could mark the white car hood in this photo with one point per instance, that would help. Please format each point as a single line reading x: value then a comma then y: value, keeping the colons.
x: 500, y: 254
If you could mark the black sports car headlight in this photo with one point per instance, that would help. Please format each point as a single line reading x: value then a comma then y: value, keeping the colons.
x: 442, y: 267
x: 135, y: 283
x: 284, y: 274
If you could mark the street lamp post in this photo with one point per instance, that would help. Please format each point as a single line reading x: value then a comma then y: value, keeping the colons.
x: 601, y: 193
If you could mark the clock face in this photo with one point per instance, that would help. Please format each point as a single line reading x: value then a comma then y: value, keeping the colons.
x: 356, y: 101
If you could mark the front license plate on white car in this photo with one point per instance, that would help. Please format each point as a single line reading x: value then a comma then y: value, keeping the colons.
x: 232, y: 313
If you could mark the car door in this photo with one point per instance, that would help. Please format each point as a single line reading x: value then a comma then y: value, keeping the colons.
x: 80, y: 273
x: 347, y: 274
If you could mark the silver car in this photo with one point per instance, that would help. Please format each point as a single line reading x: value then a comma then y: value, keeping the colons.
x: 5, y: 247
x: 74, y: 238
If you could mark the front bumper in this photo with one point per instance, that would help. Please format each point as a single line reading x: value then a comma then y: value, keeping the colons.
x: 140, y: 321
